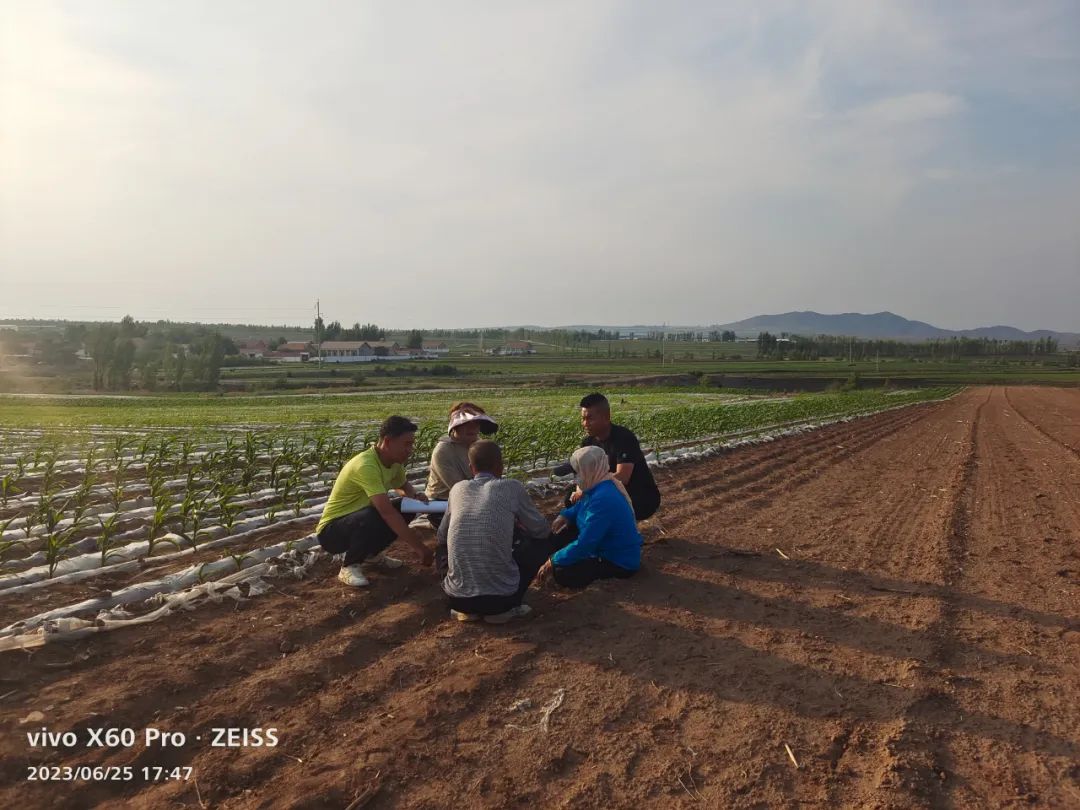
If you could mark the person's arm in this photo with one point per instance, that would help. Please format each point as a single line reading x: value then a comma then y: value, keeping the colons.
x: 399, y: 527
x: 627, y: 451
x: 592, y: 528
x: 437, y: 466
x: 446, y: 465
x: 526, y: 513
x: 410, y: 491
x: 567, y: 515
x: 571, y: 512
x: 443, y: 532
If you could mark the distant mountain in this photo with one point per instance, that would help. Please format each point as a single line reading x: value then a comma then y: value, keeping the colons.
x: 880, y: 325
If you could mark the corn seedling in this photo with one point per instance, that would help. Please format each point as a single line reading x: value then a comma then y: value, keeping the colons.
x: 287, y: 487
x: 186, y: 448
x: 120, y: 444
x: 145, y: 445
x: 239, y: 558
x: 107, y: 541
x: 48, y: 477
x: 56, y: 545
x: 226, y: 507
x: 193, y: 527
x: 8, y: 487
x: 162, y: 507
x: 248, y: 476
x: 31, y: 521
x: 192, y: 478
x: 251, y: 450
x: 298, y: 504
x: 5, y: 545
x: 116, y: 494
x: 51, y: 515
x: 275, y: 464
x: 156, y: 482
x: 81, y: 503
x: 193, y: 520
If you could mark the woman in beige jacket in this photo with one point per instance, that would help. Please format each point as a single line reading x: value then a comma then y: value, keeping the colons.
x: 450, y: 458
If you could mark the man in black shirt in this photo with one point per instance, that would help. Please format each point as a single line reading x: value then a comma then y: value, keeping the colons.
x: 625, y: 458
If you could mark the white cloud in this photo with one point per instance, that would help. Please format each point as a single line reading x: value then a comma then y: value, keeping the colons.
x: 562, y: 156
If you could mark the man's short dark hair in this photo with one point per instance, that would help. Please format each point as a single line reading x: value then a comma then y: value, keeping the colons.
x: 485, y: 456
x: 395, y: 426
x: 595, y: 401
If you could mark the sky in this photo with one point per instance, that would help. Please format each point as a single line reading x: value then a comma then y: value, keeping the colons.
x: 433, y: 164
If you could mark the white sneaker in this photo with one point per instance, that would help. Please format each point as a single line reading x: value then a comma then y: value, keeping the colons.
x: 353, y: 575
x: 519, y: 612
x: 387, y: 562
x: 465, y: 617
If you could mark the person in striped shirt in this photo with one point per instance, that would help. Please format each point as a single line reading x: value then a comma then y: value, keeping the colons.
x: 489, y: 572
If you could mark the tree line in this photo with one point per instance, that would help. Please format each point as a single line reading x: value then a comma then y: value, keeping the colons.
x: 335, y: 331
x: 129, y: 353
x: 797, y: 347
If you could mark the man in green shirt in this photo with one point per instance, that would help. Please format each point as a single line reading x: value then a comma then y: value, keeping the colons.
x: 359, y: 519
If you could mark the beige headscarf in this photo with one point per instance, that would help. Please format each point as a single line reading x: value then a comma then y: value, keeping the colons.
x: 591, y: 465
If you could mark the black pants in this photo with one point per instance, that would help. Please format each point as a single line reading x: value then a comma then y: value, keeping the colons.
x: 645, y: 507
x: 530, y: 556
x: 584, y: 573
x: 360, y: 534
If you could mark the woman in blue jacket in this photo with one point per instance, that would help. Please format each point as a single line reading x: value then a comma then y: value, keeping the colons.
x: 608, y: 543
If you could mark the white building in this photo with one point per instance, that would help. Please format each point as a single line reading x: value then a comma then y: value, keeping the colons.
x: 434, y: 348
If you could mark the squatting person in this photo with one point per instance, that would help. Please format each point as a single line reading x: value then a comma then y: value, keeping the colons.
x: 359, y: 518
x: 450, y: 459
x: 626, y: 462
x: 488, y: 573
x: 607, y: 542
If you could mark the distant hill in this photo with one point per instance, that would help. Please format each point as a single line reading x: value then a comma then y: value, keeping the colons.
x: 880, y: 325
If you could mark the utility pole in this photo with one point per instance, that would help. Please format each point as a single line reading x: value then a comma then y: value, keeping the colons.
x: 318, y: 331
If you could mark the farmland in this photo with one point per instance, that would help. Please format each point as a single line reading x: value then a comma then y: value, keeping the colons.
x: 581, y: 362
x: 878, y: 612
x: 80, y: 504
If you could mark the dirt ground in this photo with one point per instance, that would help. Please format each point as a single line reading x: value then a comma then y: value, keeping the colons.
x: 893, y: 604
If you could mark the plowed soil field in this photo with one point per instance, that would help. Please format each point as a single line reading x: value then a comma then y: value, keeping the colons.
x: 884, y: 613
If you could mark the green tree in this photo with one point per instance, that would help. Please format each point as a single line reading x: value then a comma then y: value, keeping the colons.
x: 208, y: 362
x: 174, y: 365
x: 148, y: 375
x: 123, y: 356
x: 102, y: 346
